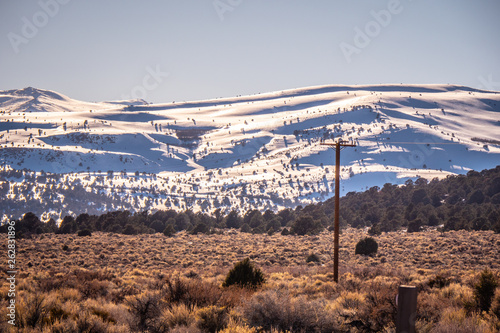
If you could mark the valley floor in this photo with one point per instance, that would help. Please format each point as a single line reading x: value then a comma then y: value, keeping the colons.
x: 101, y: 280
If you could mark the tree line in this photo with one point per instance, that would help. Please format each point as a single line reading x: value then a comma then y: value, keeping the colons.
x: 470, y: 202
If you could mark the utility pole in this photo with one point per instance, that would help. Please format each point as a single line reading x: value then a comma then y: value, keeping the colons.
x: 338, y: 146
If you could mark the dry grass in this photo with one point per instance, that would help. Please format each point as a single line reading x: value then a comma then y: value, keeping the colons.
x: 118, y: 283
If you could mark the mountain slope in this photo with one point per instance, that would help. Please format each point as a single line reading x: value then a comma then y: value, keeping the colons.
x: 261, y: 151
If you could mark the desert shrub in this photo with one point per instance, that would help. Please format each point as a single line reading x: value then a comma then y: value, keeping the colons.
x: 33, y: 311
x: 84, y: 232
x: 439, y: 281
x: 313, y: 258
x: 212, y: 319
x: 430, y: 306
x: 456, y: 320
x: 366, y: 246
x: 484, y: 290
x: 285, y: 232
x: 379, y: 308
x: 460, y: 295
x: 178, y: 315
x: 244, y: 274
x: 495, y: 305
x: 234, y: 326
x: 144, y: 309
x: 64, y: 326
x: 93, y: 288
x: 274, y: 310
x: 87, y: 322
x: 56, y: 312
x: 191, y: 292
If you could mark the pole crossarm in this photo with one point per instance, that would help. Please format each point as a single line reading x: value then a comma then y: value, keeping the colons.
x: 338, y: 147
x: 338, y: 143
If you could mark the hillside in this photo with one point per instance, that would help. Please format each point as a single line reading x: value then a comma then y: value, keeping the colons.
x: 62, y: 156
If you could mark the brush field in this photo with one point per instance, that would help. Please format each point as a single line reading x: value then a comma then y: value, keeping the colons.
x: 117, y: 283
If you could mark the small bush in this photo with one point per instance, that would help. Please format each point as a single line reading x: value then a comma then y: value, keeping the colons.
x: 244, y: 274
x: 175, y: 316
x: 212, y: 319
x: 144, y: 309
x: 191, y: 292
x: 439, y: 281
x: 34, y: 311
x: 273, y: 311
x: 87, y: 322
x: 313, y: 258
x: 484, y: 290
x: 367, y: 246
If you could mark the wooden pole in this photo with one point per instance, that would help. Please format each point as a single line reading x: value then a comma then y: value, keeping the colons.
x: 337, y: 214
x: 338, y: 147
x: 407, y: 309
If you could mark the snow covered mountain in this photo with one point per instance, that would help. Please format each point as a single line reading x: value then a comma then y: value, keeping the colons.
x: 261, y: 151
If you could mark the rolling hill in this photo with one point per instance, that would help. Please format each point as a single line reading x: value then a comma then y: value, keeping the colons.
x: 61, y: 156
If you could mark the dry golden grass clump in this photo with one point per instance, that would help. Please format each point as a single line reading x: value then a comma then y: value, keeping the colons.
x: 153, y: 283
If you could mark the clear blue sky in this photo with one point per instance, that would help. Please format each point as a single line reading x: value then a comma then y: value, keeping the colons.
x: 106, y: 50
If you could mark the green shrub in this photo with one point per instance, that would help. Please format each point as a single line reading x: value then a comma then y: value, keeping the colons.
x: 484, y: 290
x: 367, y: 246
x: 313, y: 258
x: 244, y: 274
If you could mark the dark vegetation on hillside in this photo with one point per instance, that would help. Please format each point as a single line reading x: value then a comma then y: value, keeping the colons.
x: 470, y: 202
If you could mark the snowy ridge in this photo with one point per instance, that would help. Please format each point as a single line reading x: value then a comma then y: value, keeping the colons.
x: 261, y: 151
